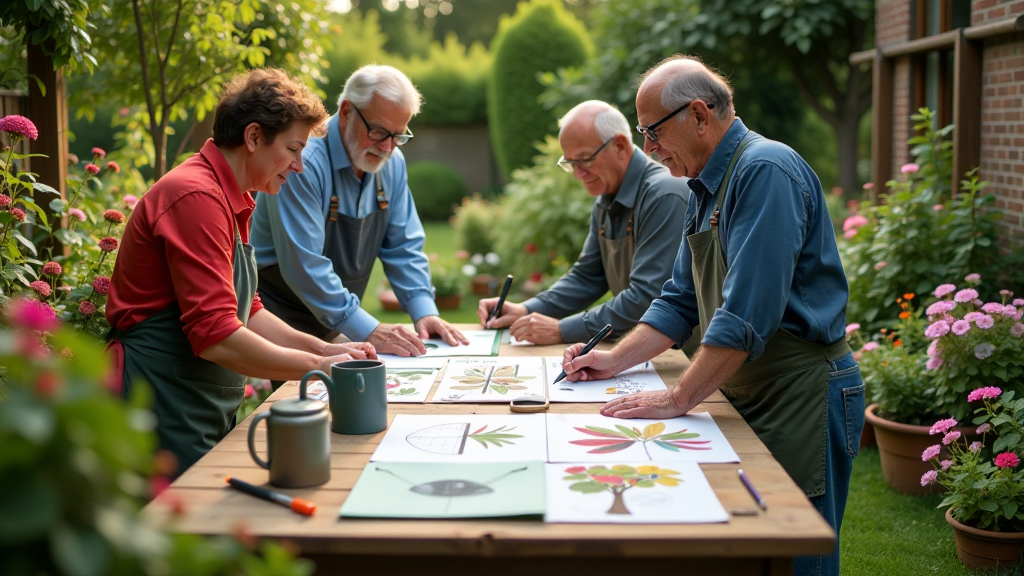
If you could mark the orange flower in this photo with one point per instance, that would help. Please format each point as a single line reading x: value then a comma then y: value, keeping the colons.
x: 909, y: 296
x: 904, y: 306
x: 897, y: 343
x: 904, y: 315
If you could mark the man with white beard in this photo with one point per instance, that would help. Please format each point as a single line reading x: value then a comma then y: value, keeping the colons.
x: 316, y: 242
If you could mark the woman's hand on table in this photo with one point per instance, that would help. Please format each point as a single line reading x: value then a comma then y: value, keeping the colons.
x: 594, y: 365
x: 357, y: 350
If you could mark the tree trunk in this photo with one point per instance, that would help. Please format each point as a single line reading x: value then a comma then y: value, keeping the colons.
x: 50, y: 114
x: 160, y: 150
x: 618, y: 506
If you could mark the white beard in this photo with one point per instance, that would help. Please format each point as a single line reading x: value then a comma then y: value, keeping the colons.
x: 357, y: 154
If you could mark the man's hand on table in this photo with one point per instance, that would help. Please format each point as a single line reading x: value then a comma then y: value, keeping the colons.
x: 652, y: 404
x: 429, y: 325
x: 396, y: 339
x: 537, y: 328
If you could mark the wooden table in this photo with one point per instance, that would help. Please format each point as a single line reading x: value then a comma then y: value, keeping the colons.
x: 762, y: 544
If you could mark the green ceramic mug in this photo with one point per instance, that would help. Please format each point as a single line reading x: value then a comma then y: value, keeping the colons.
x: 358, y: 396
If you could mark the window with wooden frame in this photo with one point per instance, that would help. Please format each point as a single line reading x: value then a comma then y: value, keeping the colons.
x: 932, y: 77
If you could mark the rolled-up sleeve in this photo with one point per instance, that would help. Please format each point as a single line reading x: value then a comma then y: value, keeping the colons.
x: 763, y: 237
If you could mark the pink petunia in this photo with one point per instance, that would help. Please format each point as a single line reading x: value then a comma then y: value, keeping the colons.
x: 929, y: 477
x: 972, y: 278
x: 966, y: 295
x: 942, y: 426
x: 1007, y: 460
x: 933, y: 363
x: 945, y: 464
x: 930, y: 452
x: 944, y: 290
x: 985, y: 322
x: 983, y: 428
x: 950, y: 438
x: 854, y: 222
x: 851, y: 328
x: 975, y: 447
x: 20, y: 126
x: 984, y: 393
x: 937, y: 329
x: 77, y: 213
x: 909, y: 168
x: 940, y: 307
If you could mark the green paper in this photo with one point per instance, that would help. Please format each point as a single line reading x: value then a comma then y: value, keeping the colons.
x: 421, y: 490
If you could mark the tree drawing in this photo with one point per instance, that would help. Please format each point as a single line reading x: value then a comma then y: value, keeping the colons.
x: 622, y: 437
x: 451, y: 438
x: 499, y: 379
x: 617, y: 479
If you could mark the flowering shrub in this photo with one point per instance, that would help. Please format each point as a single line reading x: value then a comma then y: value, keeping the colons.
x: 974, y: 344
x: 985, y: 483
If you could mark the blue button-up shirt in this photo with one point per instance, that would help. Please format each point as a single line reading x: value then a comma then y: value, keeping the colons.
x: 288, y: 230
x: 780, y: 249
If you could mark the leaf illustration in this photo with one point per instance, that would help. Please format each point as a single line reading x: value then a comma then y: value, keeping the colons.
x: 473, y: 387
x: 595, y: 442
x: 679, y: 435
x: 598, y: 431
x: 589, y: 487
x: 666, y: 446
x: 612, y: 448
x: 499, y: 388
x: 479, y: 373
x: 516, y: 387
x: 498, y: 437
x: 629, y: 432
x: 652, y: 430
x: 470, y: 380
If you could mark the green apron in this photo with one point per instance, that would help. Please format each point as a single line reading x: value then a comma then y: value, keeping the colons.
x: 783, y: 395
x: 195, y: 400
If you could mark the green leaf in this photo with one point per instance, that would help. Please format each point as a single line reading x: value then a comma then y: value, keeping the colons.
x: 629, y: 432
x: 988, y: 505
x: 40, y: 187
x: 1009, y: 509
x: 57, y: 205
x: 589, y: 487
x: 80, y: 551
x: 29, y: 504
x: 25, y: 242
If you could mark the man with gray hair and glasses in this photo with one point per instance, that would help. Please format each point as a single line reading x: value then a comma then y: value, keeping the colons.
x: 316, y: 242
x: 635, y: 230
x: 759, y: 270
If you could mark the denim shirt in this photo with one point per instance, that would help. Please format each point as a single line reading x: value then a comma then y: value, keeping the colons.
x: 288, y: 230
x: 657, y: 212
x: 780, y: 250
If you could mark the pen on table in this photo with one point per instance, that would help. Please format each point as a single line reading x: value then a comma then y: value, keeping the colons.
x: 752, y: 490
x: 590, y: 346
x: 501, y: 300
x: 297, y: 504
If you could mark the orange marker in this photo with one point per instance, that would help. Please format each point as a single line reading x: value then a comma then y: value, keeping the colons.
x: 297, y: 504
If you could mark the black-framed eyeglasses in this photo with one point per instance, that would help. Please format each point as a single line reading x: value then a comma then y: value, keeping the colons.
x: 583, y: 164
x: 380, y: 134
x: 649, y: 131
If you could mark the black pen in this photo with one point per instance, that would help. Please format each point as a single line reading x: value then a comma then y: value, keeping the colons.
x: 752, y: 490
x: 297, y: 504
x: 590, y: 346
x: 501, y: 300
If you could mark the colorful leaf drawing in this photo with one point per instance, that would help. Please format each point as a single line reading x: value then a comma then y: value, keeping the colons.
x: 624, y: 437
x: 617, y: 479
x: 498, y: 436
x: 451, y: 438
x: 499, y: 379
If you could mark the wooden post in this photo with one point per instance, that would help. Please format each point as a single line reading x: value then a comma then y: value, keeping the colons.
x: 966, y: 107
x: 50, y: 114
x: 881, y: 122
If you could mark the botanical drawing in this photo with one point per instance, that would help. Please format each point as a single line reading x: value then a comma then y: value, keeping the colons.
x: 499, y: 379
x: 451, y: 488
x: 623, y: 437
x: 408, y: 378
x: 451, y: 438
x: 617, y: 479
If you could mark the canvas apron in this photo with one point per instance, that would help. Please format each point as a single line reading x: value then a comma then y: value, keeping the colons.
x: 617, y: 255
x: 352, y: 246
x: 195, y: 400
x: 783, y: 395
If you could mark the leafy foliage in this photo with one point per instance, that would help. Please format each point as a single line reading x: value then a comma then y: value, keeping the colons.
x: 475, y: 220
x: 623, y: 437
x: 357, y: 40
x: 540, y: 37
x: 499, y: 437
x: 59, y: 26
x: 453, y: 82
x: 447, y: 281
x: 436, y: 188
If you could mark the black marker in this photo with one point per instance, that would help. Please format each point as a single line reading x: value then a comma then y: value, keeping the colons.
x: 590, y: 346
x: 297, y: 504
x: 501, y: 300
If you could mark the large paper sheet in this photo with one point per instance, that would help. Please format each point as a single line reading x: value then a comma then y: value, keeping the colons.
x: 481, y: 343
x: 490, y: 379
x: 442, y: 438
x: 422, y: 490
x: 404, y: 385
x: 596, y: 438
x: 633, y: 493
x: 640, y: 378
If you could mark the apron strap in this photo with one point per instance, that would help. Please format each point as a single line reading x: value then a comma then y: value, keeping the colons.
x: 382, y: 200
x: 726, y: 180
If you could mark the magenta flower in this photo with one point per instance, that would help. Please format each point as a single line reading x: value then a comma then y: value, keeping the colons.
x: 20, y: 126
x: 868, y: 185
x: 944, y: 289
x: 1017, y: 330
x: 966, y: 295
x: 940, y: 307
x: 881, y: 265
x: 851, y: 328
x: 983, y: 350
x: 41, y: 287
x: 1006, y: 293
x: 972, y: 278
x: 937, y: 329
x: 108, y: 244
x: 985, y: 393
x: 113, y: 216
x: 86, y: 308
x: 92, y: 168
x: 933, y: 363
x: 1007, y: 460
x: 249, y: 391
x: 975, y: 447
x: 98, y: 152
x: 929, y: 477
x: 946, y: 464
x: 850, y: 233
x: 77, y: 213
x: 52, y: 269
x: 32, y: 314
x: 5, y: 202
x: 1009, y: 310
x: 114, y: 166
x: 909, y: 168
x: 985, y: 322
x: 942, y: 426
x: 1018, y: 302
x: 983, y: 428
x: 930, y: 452
x: 869, y: 347
x: 101, y: 284
x: 130, y: 201
x: 960, y: 327
x: 950, y: 438
x: 18, y: 214
x: 854, y: 222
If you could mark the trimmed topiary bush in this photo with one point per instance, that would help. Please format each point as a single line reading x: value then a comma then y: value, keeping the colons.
x: 453, y: 82
x: 540, y: 37
x: 436, y: 188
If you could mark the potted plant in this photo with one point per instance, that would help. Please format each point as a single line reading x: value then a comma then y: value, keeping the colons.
x: 482, y: 269
x: 985, y: 504
x: 448, y: 287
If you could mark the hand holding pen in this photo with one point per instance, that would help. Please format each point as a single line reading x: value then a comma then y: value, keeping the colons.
x: 496, y: 311
x: 583, y: 352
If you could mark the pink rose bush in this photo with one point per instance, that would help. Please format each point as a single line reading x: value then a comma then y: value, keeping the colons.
x: 984, y: 479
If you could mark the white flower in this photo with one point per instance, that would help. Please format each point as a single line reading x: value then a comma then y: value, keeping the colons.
x: 492, y: 258
x: 477, y: 259
x: 469, y: 270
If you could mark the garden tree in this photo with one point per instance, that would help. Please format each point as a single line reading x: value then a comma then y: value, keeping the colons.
x: 58, y: 26
x: 540, y: 37
x: 357, y: 40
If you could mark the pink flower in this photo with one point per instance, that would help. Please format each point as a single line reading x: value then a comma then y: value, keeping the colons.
x: 868, y: 185
x: 881, y: 265
x: 1007, y: 460
x: 933, y: 363
x: 851, y: 328
x: 850, y: 233
x: 937, y: 329
x: 942, y: 426
x: 608, y: 479
x: 5, y: 202
x: 108, y: 244
x: 946, y: 464
x: 975, y: 447
x: 933, y: 348
x: 77, y: 213
x: 972, y: 278
x: 576, y: 470
x: 985, y: 322
x: 113, y: 216
x: 41, y: 287
x: 938, y: 207
x: 114, y: 166
x: 929, y: 477
x: 249, y: 391
x: 869, y: 347
x: 1009, y: 310
x: 837, y: 191
x: 52, y: 269
x: 960, y: 327
x: 1017, y: 330
x: 92, y: 168
x: 32, y: 314
x: 983, y: 350
x: 854, y: 222
x: 930, y: 452
x: 944, y: 289
x: 86, y: 308
x: 18, y: 214
x: 461, y: 254
x: 98, y: 152
x: 130, y: 201
x: 966, y: 295
x: 992, y: 307
x: 20, y: 126
x: 101, y: 284
x: 973, y: 316
x: 1018, y: 302
x: 985, y: 393
x: 1006, y: 293
x: 983, y: 428
x: 124, y: 112
x: 909, y: 168
x: 950, y: 438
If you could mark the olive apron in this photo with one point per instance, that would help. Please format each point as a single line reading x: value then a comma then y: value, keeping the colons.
x: 352, y: 246
x: 783, y: 395
x: 195, y: 400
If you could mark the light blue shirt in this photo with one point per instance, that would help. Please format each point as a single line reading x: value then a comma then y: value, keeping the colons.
x: 780, y: 249
x: 288, y: 230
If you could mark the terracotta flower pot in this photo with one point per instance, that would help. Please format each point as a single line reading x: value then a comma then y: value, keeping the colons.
x: 484, y: 285
x: 900, y: 447
x: 867, y: 436
x: 448, y: 302
x: 389, y: 301
x: 979, y: 549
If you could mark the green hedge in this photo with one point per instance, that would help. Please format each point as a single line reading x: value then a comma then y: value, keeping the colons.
x: 540, y: 37
x: 436, y: 188
x: 453, y: 82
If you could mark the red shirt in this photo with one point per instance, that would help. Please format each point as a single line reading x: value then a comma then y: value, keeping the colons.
x: 178, y: 245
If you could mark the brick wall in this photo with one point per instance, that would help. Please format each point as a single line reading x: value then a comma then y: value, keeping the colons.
x: 892, y: 21
x: 901, y: 111
x: 1002, y: 122
x: 988, y: 10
